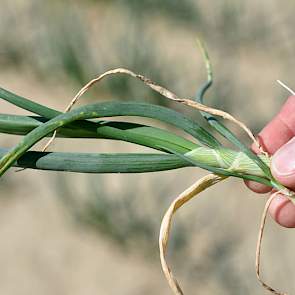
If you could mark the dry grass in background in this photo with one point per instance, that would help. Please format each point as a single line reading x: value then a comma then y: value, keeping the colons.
x: 55, y: 234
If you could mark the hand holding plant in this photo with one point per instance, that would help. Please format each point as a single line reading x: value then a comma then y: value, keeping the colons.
x: 204, y: 151
x: 278, y: 139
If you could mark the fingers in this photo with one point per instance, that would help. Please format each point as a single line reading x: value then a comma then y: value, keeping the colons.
x: 282, y: 210
x: 258, y: 187
x: 283, y: 164
x: 281, y: 129
x: 255, y: 186
x: 278, y: 139
x: 283, y: 161
x: 273, y: 136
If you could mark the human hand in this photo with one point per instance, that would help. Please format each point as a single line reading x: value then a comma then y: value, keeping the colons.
x: 278, y: 139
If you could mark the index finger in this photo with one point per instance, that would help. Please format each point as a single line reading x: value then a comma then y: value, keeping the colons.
x: 280, y: 129
x: 274, y: 135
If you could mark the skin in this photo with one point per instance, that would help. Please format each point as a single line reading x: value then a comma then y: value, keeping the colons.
x: 278, y: 139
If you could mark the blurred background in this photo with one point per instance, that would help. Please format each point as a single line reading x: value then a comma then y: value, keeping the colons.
x: 67, y: 233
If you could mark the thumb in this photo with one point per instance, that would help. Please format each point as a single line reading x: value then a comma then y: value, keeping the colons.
x: 283, y: 169
x: 283, y: 164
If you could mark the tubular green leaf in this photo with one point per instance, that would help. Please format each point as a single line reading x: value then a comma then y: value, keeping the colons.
x: 27, y: 104
x: 220, y: 158
x: 136, y: 133
x: 225, y: 172
x: 107, y: 109
x: 214, y: 122
x: 226, y: 162
x: 98, y: 163
x: 157, y: 112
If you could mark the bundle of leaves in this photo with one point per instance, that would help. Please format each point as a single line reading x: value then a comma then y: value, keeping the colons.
x: 172, y: 151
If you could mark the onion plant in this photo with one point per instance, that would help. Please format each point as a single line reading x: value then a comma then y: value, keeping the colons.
x: 172, y: 151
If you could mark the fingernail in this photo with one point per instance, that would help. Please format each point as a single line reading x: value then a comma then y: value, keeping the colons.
x: 283, y: 161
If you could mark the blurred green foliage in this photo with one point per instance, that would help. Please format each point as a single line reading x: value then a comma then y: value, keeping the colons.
x: 125, y: 219
x: 185, y: 11
x: 67, y: 43
x: 71, y: 42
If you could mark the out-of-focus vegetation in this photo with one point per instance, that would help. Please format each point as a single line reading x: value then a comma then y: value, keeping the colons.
x: 71, y: 42
x: 51, y: 49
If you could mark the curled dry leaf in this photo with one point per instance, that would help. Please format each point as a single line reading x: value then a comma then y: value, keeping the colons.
x: 197, y: 187
x: 183, y: 198
x: 259, y: 243
x: 164, y: 92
